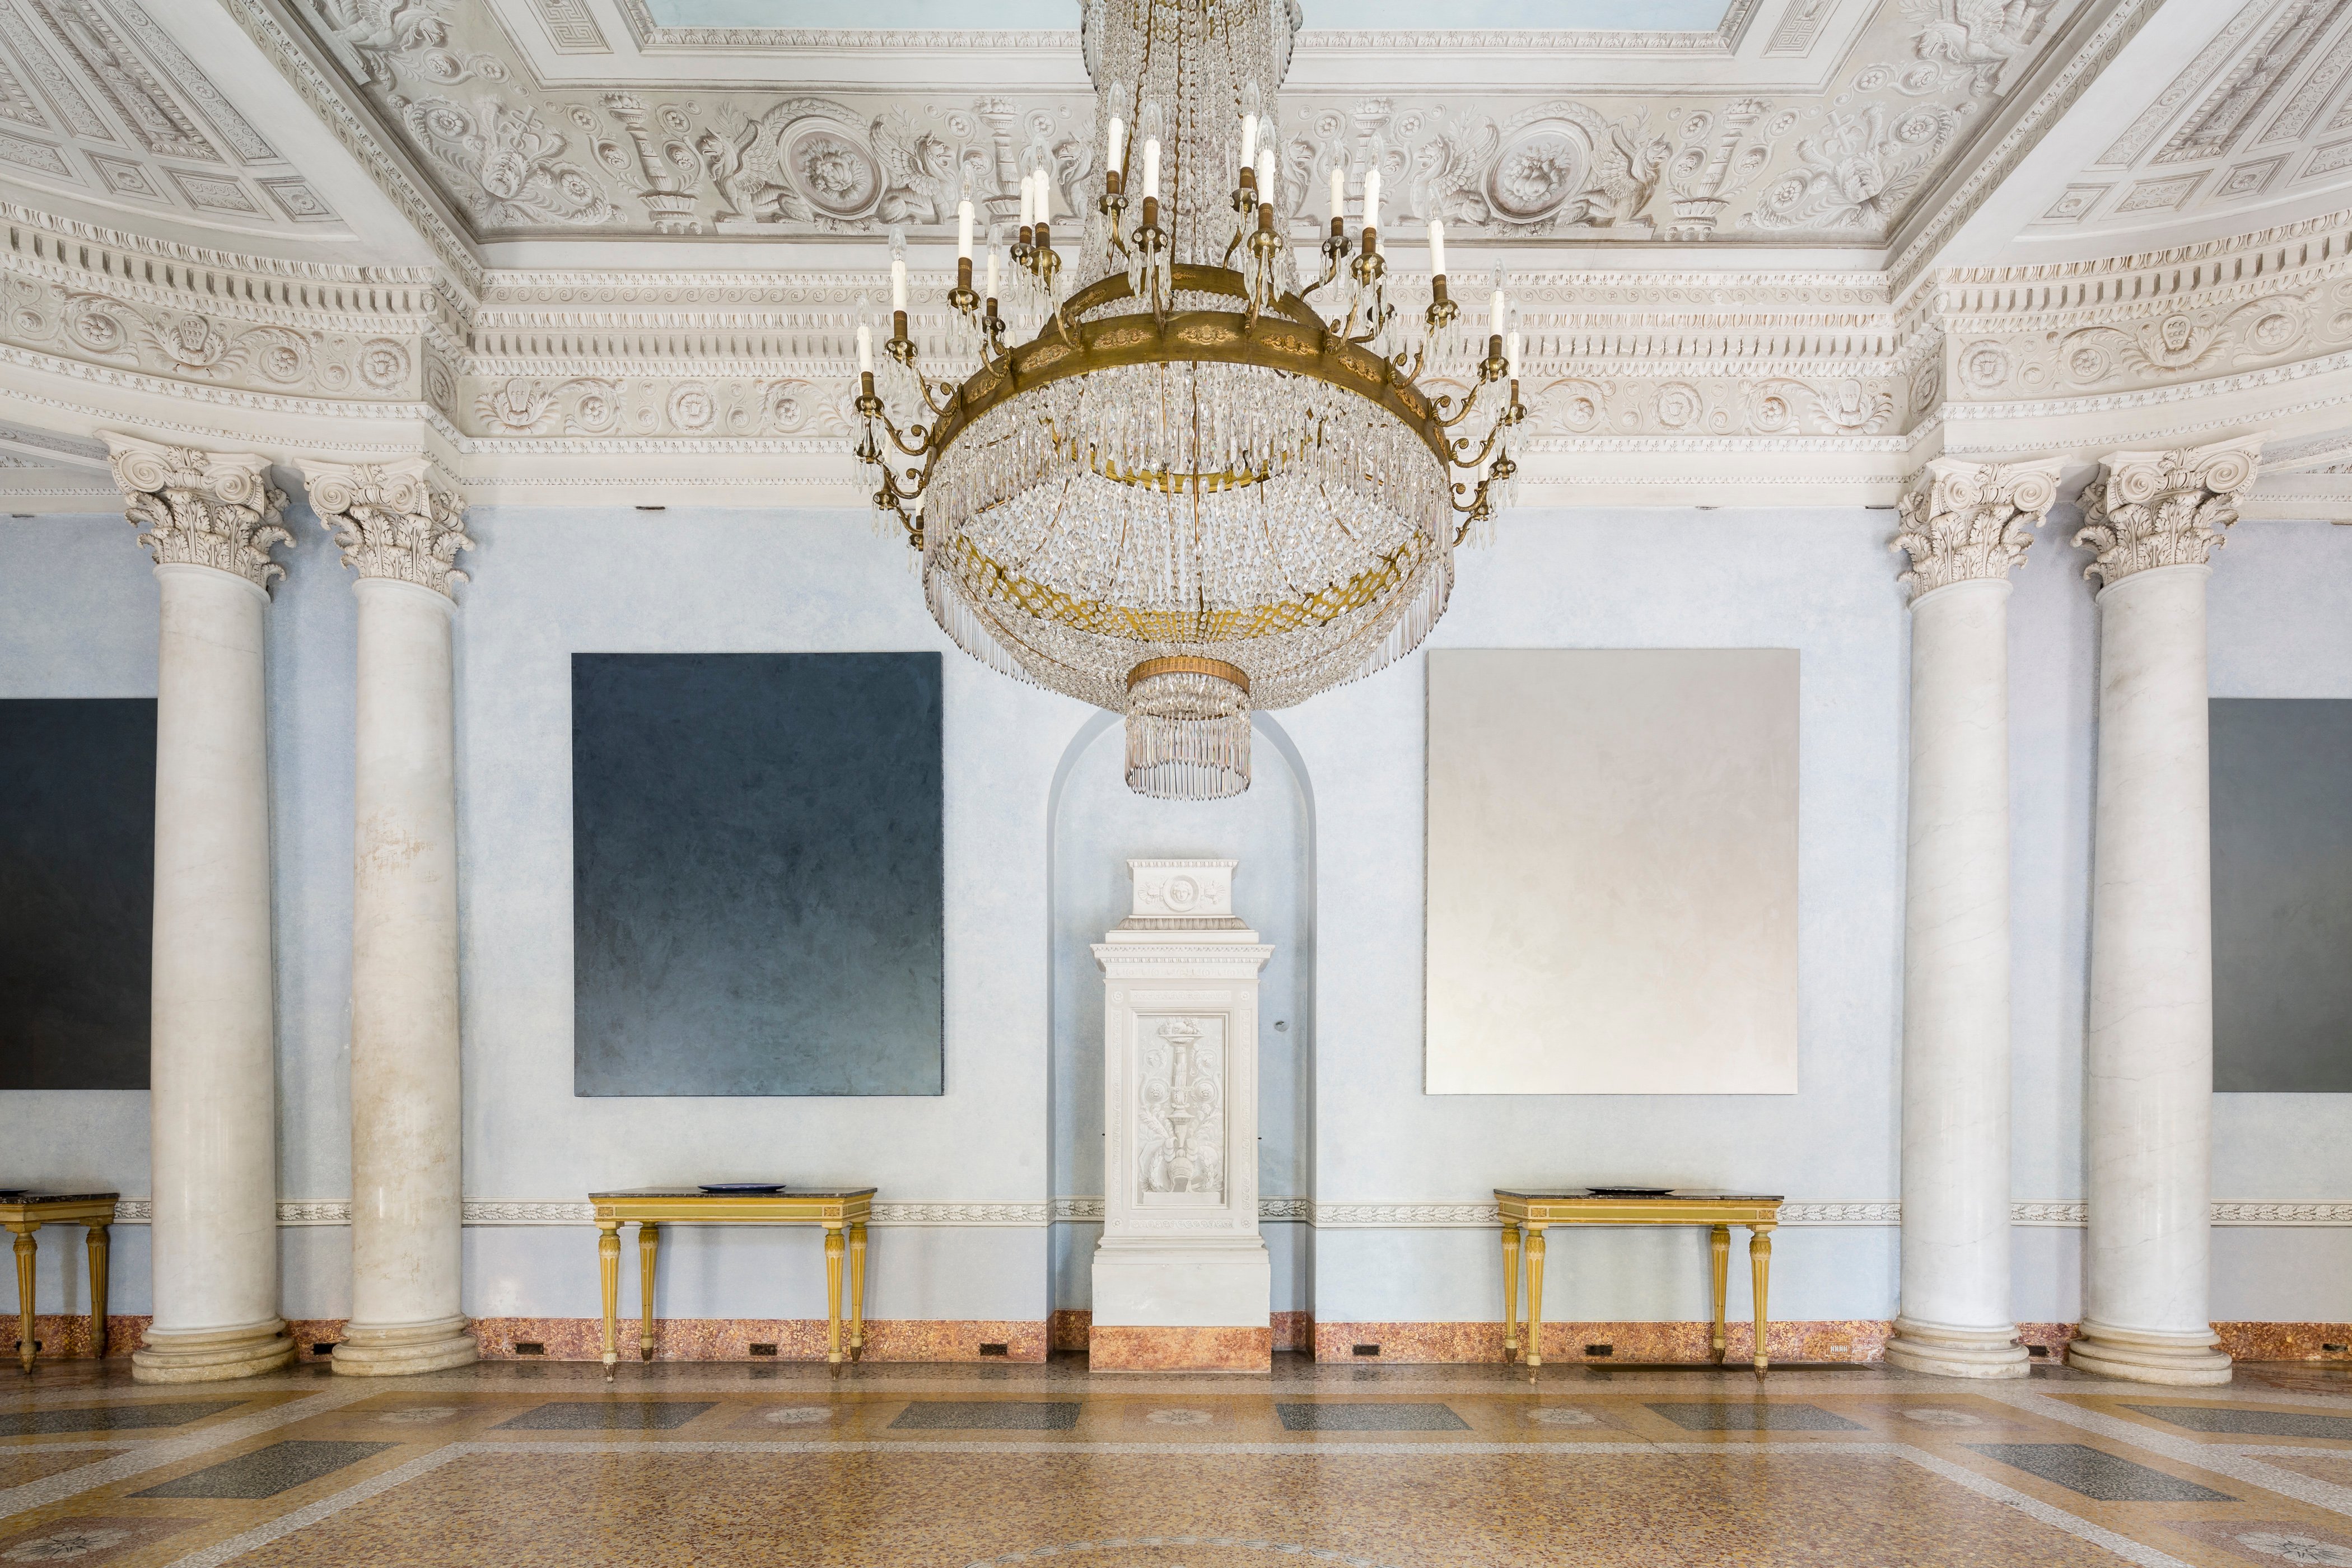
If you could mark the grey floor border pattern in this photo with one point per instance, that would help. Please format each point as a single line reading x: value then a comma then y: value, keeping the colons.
x: 159, y: 1452
x: 2222, y: 1459
x: 325, y: 1507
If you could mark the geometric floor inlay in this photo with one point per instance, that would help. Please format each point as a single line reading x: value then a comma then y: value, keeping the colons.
x: 2250, y: 1423
x: 2098, y: 1474
x: 596, y: 1415
x: 904, y: 1465
x: 1756, y: 1417
x: 109, y: 1417
x: 266, y: 1472
x: 989, y: 1415
x: 1354, y: 1417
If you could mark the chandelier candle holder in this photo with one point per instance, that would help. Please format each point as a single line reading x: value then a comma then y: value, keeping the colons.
x: 1210, y: 479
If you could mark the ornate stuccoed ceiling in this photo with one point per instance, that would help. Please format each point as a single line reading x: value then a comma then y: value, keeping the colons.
x: 99, y: 105
x: 1791, y: 122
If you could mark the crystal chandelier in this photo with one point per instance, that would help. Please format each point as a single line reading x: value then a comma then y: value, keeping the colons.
x: 1178, y: 470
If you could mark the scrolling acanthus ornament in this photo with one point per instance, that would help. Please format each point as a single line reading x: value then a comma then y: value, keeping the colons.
x: 391, y: 519
x: 2148, y: 509
x: 1970, y: 520
x: 200, y: 509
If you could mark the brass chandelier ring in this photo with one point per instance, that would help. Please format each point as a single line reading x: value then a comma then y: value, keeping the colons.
x: 1189, y: 664
x: 1283, y: 341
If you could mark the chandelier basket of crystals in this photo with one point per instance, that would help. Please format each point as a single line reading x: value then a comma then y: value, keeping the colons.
x: 1177, y: 469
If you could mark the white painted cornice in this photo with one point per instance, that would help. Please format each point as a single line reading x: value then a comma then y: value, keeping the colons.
x: 585, y: 387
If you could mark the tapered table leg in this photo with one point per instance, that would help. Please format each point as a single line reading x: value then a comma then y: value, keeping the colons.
x: 833, y: 1245
x: 1510, y: 1292
x: 1535, y: 1246
x: 1760, y: 1260
x: 25, y: 1291
x: 98, y: 1240
x: 857, y: 1291
x: 608, y: 1268
x: 648, y: 1245
x: 1719, y: 1244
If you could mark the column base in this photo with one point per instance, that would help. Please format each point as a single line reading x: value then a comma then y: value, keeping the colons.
x: 1942, y: 1349
x: 2142, y: 1355
x: 401, y: 1349
x: 1131, y: 1347
x: 210, y: 1355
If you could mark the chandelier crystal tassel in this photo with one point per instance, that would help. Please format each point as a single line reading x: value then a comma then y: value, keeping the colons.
x: 1198, y: 471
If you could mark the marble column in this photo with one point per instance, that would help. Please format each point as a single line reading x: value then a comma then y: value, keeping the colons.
x: 209, y: 519
x: 2153, y: 517
x: 1964, y: 528
x: 402, y: 534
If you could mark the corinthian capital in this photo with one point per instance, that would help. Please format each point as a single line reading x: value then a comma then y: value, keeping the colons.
x: 391, y: 519
x: 199, y: 508
x: 2164, y: 509
x: 1966, y: 522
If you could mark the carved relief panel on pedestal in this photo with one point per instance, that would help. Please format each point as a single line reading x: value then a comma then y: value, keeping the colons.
x: 1180, y: 1111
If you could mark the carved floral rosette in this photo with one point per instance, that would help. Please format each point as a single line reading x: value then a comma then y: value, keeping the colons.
x: 200, y: 509
x: 1968, y: 521
x: 2148, y: 509
x: 391, y: 519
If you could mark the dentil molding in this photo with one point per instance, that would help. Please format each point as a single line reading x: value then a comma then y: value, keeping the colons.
x: 580, y: 385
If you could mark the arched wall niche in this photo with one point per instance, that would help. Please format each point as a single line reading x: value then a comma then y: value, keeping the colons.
x: 1095, y: 823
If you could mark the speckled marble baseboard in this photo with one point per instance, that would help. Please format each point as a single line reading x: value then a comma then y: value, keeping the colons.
x: 2285, y: 1341
x: 1068, y: 1328
x: 1829, y: 1340
x: 731, y: 1339
x: 1121, y: 1347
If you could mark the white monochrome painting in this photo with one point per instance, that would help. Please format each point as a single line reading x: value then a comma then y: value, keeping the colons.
x: 1612, y: 872
x: 1181, y: 1110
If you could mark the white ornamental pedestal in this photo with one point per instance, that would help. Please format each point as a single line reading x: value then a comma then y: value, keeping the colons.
x: 1181, y: 1278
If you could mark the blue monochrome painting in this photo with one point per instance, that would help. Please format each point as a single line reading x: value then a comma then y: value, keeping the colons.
x: 77, y: 891
x: 756, y: 874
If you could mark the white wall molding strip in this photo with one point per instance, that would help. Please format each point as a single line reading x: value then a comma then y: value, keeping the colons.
x: 2233, y: 1212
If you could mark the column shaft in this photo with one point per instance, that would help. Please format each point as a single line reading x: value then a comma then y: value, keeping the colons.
x: 1955, y: 1314
x: 2148, y: 1104
x: 406, y: 1196
x: 2154, y: 519
x: 401, y: 533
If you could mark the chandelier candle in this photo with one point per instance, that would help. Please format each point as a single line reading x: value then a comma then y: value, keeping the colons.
x: 1214, y: 479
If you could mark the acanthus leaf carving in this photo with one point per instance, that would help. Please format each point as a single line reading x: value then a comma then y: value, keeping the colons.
x: 1970, y: 521
x: 2148, y: 509
x: 391, y: 519
x: 199, y: 508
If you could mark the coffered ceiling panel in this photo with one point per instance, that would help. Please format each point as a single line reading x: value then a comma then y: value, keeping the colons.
x: 99, y: 104
x: 1755, y: 123
x: 2255, y: 129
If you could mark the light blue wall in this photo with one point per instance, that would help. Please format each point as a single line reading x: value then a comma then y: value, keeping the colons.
x: 78, y: 619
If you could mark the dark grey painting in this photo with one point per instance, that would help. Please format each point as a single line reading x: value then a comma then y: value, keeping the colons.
x: 756, y: 874
x: 77, y: 891
x: 2282, y: 773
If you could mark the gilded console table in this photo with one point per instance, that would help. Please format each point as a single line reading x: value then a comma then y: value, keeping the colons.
x: 1527, y: 1214
x: 839, y: 1210
x: 26, y: 1213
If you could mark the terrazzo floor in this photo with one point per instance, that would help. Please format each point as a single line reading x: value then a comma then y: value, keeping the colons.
x: 503, y: 1466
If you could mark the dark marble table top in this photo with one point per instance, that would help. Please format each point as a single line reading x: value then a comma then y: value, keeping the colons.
x: 13, y: 1199
x: 698, y: 1193
x: 1673, y: 1195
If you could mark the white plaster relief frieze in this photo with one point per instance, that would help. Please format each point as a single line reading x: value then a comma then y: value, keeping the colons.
x: 520, y: 159
x: 2148, y: 509
x: 391, y: 519
x: 199, y: 508
x: 1967, y: 522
